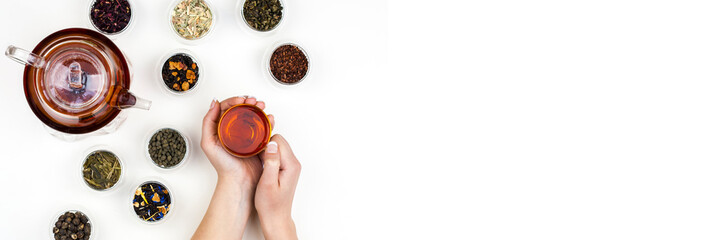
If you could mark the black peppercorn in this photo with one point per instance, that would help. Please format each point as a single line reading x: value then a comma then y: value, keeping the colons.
x: 71, y: 226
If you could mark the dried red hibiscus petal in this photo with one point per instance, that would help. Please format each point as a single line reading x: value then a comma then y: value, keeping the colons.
x: 110, y: 16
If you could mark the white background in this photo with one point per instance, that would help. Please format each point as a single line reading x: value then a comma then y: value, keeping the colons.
x: 421, y: 120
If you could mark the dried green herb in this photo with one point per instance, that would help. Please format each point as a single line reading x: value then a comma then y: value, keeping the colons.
x: 101, y: 170
x: 262, y: 15
x: 192, y: 19
x: 167, y: 148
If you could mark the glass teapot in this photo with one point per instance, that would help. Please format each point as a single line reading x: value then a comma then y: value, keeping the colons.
x: 76, y: 81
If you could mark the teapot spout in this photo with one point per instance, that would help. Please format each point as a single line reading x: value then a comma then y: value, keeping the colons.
x: 128, y: 100
x: 142, y: 103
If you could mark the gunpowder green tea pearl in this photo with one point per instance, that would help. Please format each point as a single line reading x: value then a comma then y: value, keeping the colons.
x: 167, y: 148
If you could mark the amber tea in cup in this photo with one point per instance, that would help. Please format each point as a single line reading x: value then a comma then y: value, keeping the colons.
x: 244, y: 130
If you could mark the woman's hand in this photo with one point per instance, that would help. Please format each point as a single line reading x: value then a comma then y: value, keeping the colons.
x: 232, y: 200
x: 245, y: 171
x: 274, y: 195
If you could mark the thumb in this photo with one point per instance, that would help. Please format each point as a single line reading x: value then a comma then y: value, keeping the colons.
x: 210, y: 125
x: 271, y: 165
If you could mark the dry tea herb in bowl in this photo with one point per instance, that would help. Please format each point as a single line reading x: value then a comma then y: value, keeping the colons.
x: 72, y: 225
x: 180, y: 72
x: 167, y: 148
x: 101, y: 170
x: 288, y: 64
x: 151, y: 201
x: 110, y: 16
x: 262, y: 15
x: 192, y: 19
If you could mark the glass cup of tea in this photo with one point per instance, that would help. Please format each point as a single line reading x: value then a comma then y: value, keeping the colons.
x: 244, y: 130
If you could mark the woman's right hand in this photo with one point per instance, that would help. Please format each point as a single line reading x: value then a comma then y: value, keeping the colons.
x: 276, y: 188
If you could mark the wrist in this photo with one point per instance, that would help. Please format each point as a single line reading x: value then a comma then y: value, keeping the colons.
x: 237, y: 182
x: 277, y: 227
x: 236, y: 187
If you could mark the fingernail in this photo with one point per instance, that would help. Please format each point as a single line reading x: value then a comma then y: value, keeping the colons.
x: 244, y: 96
x: 251, y: 97
x: 212, y: 104
x: 272, y: 147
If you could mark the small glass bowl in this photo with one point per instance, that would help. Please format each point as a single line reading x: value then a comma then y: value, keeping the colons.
x: 264, y: 118
x: 115, y: 35
x: 240, y: 18
x: 266, y: 63
x: 202, y: 38
x: 74, y: 209
x: 97, y: 148
x: 182, y: 161
x: 171, y: 208
x: 174, y: 52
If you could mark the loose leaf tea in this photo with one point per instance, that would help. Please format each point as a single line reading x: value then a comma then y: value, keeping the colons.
x: 72, y: 226
x: 192, y: 19
x: 101, y: 170
x: 152, y: 201
x: 288, y: 64
x: 110, y: 16
x: 262, y: 15
x: 180, y: 72
x: 167, y: 148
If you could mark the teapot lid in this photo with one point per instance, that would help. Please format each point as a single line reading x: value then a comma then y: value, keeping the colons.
x: 75, y: 78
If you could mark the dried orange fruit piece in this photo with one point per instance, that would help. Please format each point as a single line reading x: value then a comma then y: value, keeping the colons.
x: 156, y: 197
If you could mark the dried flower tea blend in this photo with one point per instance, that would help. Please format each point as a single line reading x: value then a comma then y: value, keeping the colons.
x: 101, y: 170
x: 110, y: 16
x: 192, y: 19
x: 167, y: 148
x: 288, y: 64
x: 180, y: 72
x: 262, y: 15
x: 72, y: 225
x: 151, y: 201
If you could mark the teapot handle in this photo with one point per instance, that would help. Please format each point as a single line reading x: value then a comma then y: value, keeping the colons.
x: 24, y: 57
